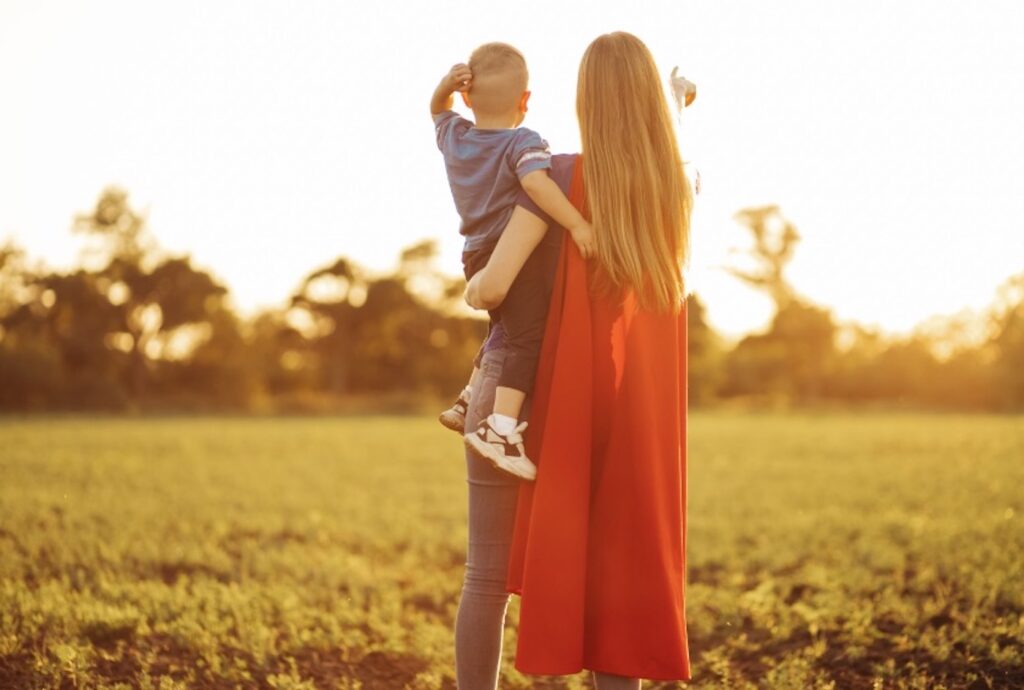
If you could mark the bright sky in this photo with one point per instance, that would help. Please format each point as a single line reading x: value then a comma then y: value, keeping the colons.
x: 266, y: 139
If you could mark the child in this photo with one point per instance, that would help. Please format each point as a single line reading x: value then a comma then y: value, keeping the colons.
x: 487, y: 162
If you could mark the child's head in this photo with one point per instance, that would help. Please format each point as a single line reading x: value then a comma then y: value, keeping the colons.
x: 499, y: 82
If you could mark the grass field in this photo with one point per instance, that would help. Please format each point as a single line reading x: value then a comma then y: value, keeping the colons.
x: 832, y: 550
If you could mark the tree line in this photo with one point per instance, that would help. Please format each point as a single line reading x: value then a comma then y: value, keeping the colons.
x: 132, y: 328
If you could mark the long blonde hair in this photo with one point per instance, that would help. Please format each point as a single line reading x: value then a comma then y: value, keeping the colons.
x: 636, y: 189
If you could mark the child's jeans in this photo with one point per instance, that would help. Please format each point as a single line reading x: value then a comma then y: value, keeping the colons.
x: 523, y: 314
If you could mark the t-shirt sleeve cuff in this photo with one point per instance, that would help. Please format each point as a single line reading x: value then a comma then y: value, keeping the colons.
x: 533, y: 164
x: 443, y: 124
x: 444, y: 115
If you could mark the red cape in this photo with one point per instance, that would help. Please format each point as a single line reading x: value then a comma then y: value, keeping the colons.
x: 599, y: 547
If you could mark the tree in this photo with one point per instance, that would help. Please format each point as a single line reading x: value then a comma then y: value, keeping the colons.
x: 1007, y: 316
x: 371, y: 334
x: 775, y: 240
x: 163, y: 303
x: 793, y: 360
x: 326, y: 313
x: 57, y: 350
x: 14, y: 276
x: 119, y: 231
x: 704, y: 354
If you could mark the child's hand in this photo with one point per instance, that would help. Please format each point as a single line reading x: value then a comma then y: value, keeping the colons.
x: 458, y: 78
x: 583, y: 236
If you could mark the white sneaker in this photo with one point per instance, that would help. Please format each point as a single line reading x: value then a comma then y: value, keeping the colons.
x: 504, y: 451
x: 454, y: 417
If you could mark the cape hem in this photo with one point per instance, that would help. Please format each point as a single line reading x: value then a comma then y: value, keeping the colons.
x: 644, y: 675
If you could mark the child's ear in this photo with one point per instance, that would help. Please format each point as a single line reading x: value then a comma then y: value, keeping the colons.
x: 465, y: 99
x: 523, y: 100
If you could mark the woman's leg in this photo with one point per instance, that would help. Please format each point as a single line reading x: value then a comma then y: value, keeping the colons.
x: 605, y: 681
x: 479, y: 625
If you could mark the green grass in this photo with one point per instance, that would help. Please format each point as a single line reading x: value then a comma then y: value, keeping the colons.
x: 832, y: 550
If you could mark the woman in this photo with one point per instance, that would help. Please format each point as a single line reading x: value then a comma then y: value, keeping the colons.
x: 596, y: 545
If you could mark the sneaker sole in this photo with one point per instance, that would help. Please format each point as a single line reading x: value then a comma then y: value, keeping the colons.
x: 487, y: 452
x: 451, y: 422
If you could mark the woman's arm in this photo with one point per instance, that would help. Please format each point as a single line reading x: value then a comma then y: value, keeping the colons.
x: 488, y: 287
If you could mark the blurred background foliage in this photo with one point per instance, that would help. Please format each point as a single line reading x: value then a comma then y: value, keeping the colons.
x: 133, y: 328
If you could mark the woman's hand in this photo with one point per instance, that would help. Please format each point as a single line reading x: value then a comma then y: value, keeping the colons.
x: 474, y: 298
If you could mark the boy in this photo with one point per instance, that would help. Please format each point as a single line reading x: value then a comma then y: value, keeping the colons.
x: 487, y: 162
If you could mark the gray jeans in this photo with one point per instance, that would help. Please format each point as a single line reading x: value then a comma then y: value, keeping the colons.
x: 480, y: 623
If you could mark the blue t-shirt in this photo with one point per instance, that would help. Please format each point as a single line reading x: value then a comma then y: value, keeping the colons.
x: 563, y: 166
x: 484, y: 167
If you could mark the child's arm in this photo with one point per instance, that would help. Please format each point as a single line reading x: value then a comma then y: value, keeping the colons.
x: 546, y: 194
x: 458, y: 79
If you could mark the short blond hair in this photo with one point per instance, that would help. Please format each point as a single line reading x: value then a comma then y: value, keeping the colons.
x: 499, y: 78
